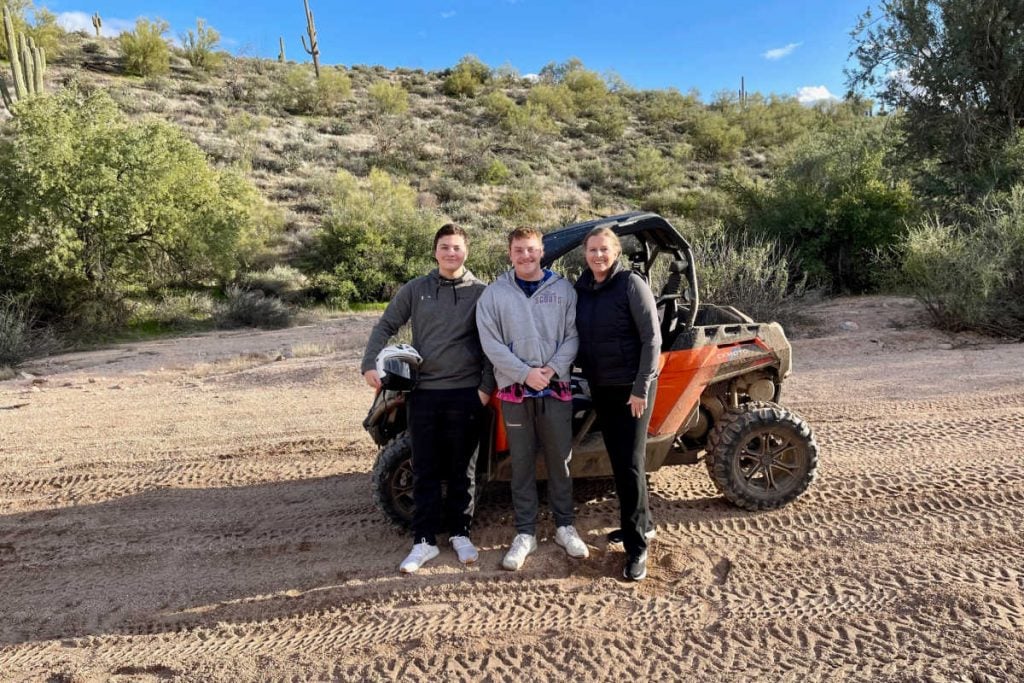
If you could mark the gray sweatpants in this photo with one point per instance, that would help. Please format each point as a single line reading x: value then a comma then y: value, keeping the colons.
x: 543, y: 424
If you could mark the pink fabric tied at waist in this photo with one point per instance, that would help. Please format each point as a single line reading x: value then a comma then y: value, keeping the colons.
x: 517, y: 393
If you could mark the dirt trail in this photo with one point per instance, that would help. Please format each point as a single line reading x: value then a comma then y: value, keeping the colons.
x: 174, y: 510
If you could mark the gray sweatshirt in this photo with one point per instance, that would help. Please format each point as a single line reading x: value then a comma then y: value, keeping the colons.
x: 519, y: 333
x: 443, y: 314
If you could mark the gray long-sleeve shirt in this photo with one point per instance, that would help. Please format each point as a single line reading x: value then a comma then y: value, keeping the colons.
x: 444, y: 332
x: 519, y: 333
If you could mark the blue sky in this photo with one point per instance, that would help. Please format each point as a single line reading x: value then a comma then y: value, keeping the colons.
x: 790, y: 47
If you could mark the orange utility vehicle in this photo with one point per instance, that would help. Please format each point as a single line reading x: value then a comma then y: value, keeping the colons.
x: 718, y: 389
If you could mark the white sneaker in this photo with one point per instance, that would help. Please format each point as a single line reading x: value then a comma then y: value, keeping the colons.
x: 522, y: 545
x: 567, y: 537
x: 420, y: 554
x: 465, y: 549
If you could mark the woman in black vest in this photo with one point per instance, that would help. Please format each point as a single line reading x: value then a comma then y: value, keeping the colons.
x: 620, y: 341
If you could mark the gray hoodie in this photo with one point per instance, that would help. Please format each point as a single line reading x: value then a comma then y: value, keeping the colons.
x: 519, y: 333
x: 443, y: 314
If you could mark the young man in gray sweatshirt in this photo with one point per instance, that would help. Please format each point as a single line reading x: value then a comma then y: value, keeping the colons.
x: 527, y: 328
x: 445, y: 410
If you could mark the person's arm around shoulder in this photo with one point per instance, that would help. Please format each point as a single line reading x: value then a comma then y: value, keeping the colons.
x: 644, y: 310
x: 396, y: 314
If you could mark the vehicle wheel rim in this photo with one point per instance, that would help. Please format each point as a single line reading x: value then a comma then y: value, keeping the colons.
x: 771, y: 462
x: 401, y: 488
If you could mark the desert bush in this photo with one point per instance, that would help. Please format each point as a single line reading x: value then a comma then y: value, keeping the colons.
x: 751, y: 273
x: 495, y: 173
x: 715, y: 138
x: 466, y: 78
x: 373, y: 239
x: 300, y: 92
x: 970, y: 276
x: 388, y: 99
x: 21, y: 337
x: 286, y: 283
x: 497, y: 105
x: 651, y: 172
x: 246, y: 308
x: 200, y: 45
x: 144, y: 49
x: 835, y: 202
x: 668, y: 107
x: 173, y: 311
x: 529, y: 125
x: 522, y: 204
x: 556, y: 99
x: 94, y: 206
x: 42, y: 29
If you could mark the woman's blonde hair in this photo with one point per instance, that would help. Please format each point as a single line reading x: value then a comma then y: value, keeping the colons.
x: 602, y: 231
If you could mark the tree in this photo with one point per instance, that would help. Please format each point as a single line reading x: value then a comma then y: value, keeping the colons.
x: 145, y: 51
x: 835, y: 204
x: 94, y: 206
x: 955, y: 68
x: 200, y: 46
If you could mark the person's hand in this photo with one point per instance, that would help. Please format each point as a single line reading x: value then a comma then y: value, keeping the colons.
x: 485, y: 398
x: 637, y: 405
x: 538, y: 378
x: 372, y: 378
x: 549, y: 372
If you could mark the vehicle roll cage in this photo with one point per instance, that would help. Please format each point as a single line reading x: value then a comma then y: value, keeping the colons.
x: 654, y: 234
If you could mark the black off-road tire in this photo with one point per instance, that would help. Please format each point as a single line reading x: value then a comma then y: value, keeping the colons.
x: 392, y: 481
x: 762, y: 456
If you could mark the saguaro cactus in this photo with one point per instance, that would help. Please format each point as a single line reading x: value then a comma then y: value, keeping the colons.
x: 97, y: 23
x: 28, y: 63
x: 280, y: 55
x: 314, y: 46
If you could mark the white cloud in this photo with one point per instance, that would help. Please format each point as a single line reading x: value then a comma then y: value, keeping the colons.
x: 448, y: 15
x: 809, y: 94
x: 780, y: 52
x: 80, y: 21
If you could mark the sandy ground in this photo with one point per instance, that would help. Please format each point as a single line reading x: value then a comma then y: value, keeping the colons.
x: 199, y: 509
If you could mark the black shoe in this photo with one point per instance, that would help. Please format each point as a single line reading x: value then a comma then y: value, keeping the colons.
x: 636, y: 567
x: 615, y: 535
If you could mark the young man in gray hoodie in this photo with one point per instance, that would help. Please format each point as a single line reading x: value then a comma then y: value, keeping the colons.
x: 527, y: 328
x: 445, y: 409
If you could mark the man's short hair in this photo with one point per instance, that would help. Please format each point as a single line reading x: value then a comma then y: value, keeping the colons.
x: 450, y: 229
x: 524, y: 234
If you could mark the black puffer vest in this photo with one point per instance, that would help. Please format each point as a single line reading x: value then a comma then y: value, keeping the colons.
x: 609, y: 340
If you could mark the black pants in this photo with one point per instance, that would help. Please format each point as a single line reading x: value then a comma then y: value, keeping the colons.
x: 625, y: 439
x: 444, y: 425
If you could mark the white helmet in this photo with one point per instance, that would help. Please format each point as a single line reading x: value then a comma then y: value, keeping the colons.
x: 398, y: 367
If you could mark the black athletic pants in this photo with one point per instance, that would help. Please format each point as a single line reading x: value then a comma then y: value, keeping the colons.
x: 625, y: 439
x: 444, y: 425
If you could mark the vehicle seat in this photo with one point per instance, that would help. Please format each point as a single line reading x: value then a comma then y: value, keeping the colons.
x: 670, y: 300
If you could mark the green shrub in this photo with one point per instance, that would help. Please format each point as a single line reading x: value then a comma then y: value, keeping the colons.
x: 301, y: 92
x: 522, y: 204
x: 172, y: 311
x: 43, y: 29
x: 200, y: 46
x: 835, y: 202
x: 144, y: 49
x: 529, y: 125
x: 466, y: 78
x: 497, y: 105
x: 245, y: 308
x: 651, y: 172
x: 94, y: 207
x: 970, y: 276
x: 388, y: 98
x: 372, y: 240
x: 556, y: 99
x: 715, y: 138
x: 496, y: 173
x: 284, y: 282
